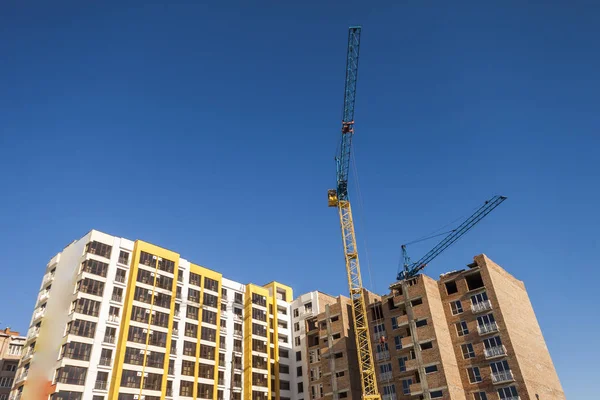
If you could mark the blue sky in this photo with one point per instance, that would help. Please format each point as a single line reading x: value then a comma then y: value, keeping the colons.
x: 211, y: 130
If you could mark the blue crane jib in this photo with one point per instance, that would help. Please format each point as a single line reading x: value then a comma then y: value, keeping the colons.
x: 411, y: 269
x: 343, y: 158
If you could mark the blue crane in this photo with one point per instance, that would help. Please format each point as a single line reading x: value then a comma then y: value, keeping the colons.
x: 410, y: 269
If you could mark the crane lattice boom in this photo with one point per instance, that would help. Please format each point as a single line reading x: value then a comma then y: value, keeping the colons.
x: 338, y: 197
x: 411, y: 269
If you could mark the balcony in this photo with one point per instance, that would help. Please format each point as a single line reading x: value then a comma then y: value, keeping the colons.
x: 101, y: 385
x: 237, y: 333
x: 487, y: 328
x: 415, y: 388
x: 237, y: 317
x: 123, y: 260
x: 27, y: 354
x: 481, y: 306
x: 117, y: 298
x: 169, y: 392
x: 34, y: 333
x: 385, y: 376
x: 223, y: 330
x: 502, y: 376
x: 221, y: 382
x: 39, y: 314
x: 495, y: 351
x: 22, y: 376
x: 44, y: 296
x: 113, y: 318
x: 47, y: 278
x: 15, y: 396
x: 120, y: 279
x: 382, y: 355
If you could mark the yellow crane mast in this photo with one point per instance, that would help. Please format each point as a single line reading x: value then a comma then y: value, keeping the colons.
x: 339, y: 198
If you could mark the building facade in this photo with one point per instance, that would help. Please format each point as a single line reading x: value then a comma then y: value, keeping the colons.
x: 11, y: 348
x: 471, y: 335
x: 131, y: 320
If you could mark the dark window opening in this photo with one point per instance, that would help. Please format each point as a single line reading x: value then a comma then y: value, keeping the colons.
x: 474, y: 281
x: 416, y: 302
x: 451, y: 287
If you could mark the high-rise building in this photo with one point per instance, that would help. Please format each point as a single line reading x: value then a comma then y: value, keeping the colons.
x: 123, y: 320
x: 471, y: 335
x: 11, y: 348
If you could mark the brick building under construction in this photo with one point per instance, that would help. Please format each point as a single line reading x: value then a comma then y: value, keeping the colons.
x: 471, y: 335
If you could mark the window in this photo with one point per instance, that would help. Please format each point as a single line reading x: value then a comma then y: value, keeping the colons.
x: 451, y: 287
x: 394, y: 322
x: 474, y: 281
x: 297, y: 341
x: 296, y: 313
x: 436, y: 394
x: 259, y: 315
x: 209, y: 317
x: 123, y: 257
x: 259, y: 345
x: 499, y: 367
x: 298, y: 371
x: 300, y: 387
x: 98, y: 248
x: 166, y: 265
x: 259, y: 330
x: 467, y: 351
x: 456, y: 307
x: 205, y: 391
x: 426, y: 345
x: 90, y: 286
x: 398, y: 342
x: 77, y: 351
x: 10, y: 367
x: 81, y: 328
x: 343, y: 395
x: 259, y: 299
x: 508, y: 392
x: 298, y: 356
x: 339, y: 374
x: 461, y: 328
x: 479, y: 298
x: 406, y: 386
x: 486, y: 323
x: 421, y: 322
x: 474, y: 374
x: 189, y: 348
x: 186, y: 388
x: 480, y: 396
x: 282, y: 310
x: 402, y: 363
x: 416, y: 302
x: 389, y: 390
x: 338, y: 355
x: 211, y: 284
x: 492, y: 342
x: 284, y: 353
x: 87, y: 307
x: 95, y: 267
x: 71, y: 375
x: 192, y: 312
x: 6, y: 381
x: 210, y: 300
x: 187, y: 368
x: 430, y: 369
x: 284, y: 385
x: 195, y: 279
x: 237, y: 298
x: 284, y: 369
x: 296, y: 327
x: 194, y: 295
x: 206, y: 371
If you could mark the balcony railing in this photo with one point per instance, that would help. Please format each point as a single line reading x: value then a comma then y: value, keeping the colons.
x: 386, y: 376
x: 169, y: 392
x: 487, y: 328
x: 175, y: 332
x: 120, y: 279
x: 48, y: 278
x: 22, y: 376
x: 117, y: 298
x: 481, y: 306
x: 123, y: 260
x: 382, y: 355
x: 27, y: 354
x: 101, y: 385
x: 44, y: 296
x: 39, y: 313
x: 34, y: 333
x: 502, y: 376
x: 15, y: 396
x: 237, y: 333
x: 113, y: 318
x: 495, y: 351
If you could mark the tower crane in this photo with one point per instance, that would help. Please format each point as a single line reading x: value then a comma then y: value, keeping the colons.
x: 338, y: 197
x: 411, y: 269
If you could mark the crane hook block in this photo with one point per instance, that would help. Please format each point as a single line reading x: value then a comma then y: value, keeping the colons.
x: 332, y: 198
